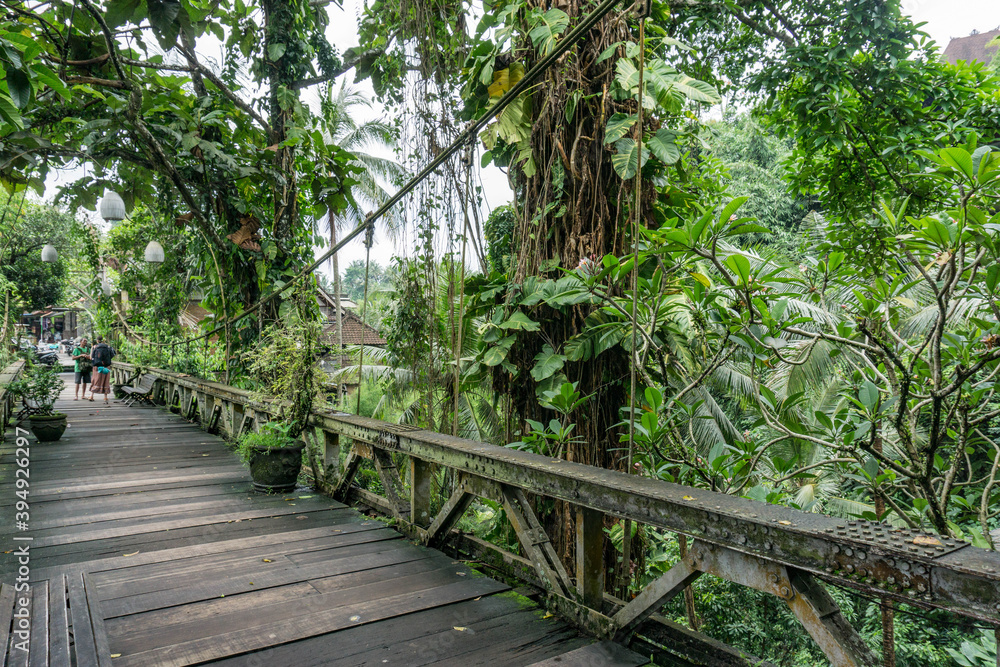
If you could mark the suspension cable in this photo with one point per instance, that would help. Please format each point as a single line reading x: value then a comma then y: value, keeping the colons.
x: 369, y: 239
x: 469, y: 134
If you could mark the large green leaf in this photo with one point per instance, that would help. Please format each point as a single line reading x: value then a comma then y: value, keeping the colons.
x: 959, y: 159
x: 547, y: 363
x: 548, y: 28
x: 696, y: 90
x: 664, y: 146
x: 740, y: 265
x: 48, y: 77
x: 626, y: 160
x: 520, y: 322
x: 164, y: 17
x: 618, y: 126
x: 119, y: 12
x: 497, y: 353
x: 20, y: 88
x: 9, y: 113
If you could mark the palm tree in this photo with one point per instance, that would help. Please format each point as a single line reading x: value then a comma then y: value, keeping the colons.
x: 342, y: 129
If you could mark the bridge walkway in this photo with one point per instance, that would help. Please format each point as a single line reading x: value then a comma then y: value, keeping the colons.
x: 149, y: 548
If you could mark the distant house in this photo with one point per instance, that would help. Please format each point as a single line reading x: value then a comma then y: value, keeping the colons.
x: 355, y: 332
x: 975, y: 47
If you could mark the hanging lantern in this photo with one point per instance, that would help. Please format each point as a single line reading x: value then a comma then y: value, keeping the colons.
x: 154, y: 253
x: 49, y: 253
x: 112, y: 207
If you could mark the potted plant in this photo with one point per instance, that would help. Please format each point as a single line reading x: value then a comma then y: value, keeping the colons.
x: 40, y: 387
x: 273, y: 456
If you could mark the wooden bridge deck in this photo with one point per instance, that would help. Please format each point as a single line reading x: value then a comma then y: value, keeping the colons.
x: 148, y: 548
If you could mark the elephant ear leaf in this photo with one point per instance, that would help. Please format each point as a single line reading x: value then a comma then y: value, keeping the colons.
x: 664, y: 147
x: 626, y: 160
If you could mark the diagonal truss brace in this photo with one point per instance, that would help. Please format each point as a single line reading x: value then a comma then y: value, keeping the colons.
x: 392, y: 483
x: 535, y: 542
x: 805, y: 596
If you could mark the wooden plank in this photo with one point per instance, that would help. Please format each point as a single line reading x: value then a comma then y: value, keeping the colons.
x: 606, y: 653
x: 208, y: 549
x: 160, y: 526
x: 20, y: 647
x: 58, y: 557
x: 364, y: 643
x: 97, y: 623
x: 82, y: 631
x: 39, y: 653
x: 234, y: 558
x: 58, y: 623
x: 390, y: 553
x: 6, y: 616
x: 353, y: 589
x: 286, y: 630
x: 501, y: 640
x: 135, y: 584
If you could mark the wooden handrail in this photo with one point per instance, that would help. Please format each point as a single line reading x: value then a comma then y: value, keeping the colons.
x: 768, y: 547
x: 8, y: 375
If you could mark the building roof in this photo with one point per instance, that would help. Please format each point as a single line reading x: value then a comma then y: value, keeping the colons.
x: 353, y: 328
x: 973, y: 47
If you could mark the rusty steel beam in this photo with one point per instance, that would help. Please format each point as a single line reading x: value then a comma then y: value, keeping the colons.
x: 919, y: 568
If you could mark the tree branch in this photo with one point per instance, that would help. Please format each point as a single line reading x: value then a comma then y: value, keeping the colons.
x: 348, y: 65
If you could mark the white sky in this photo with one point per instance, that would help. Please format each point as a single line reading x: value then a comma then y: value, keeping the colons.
x: 945, y: 19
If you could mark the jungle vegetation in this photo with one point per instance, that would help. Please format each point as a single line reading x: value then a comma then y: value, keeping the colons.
x: 796, y: 300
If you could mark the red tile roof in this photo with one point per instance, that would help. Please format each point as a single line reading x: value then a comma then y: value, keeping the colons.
x: 353, y: 328
x: 973, y: 47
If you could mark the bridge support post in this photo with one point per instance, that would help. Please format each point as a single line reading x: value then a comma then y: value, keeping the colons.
x: 590, y: 557
x: 329, y: 444
x: 420, y: 492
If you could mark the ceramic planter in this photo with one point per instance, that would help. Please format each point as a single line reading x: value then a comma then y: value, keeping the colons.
x: 275, y: 470
x: 48, y: 428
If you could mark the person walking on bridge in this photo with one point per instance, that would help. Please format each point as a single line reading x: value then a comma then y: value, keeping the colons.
x: 81, y: 367
x: 101, y: 357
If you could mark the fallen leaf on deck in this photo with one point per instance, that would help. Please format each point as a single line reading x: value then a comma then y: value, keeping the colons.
x: 460, y: 628
x: 131, y: 554
x: 267, y: 560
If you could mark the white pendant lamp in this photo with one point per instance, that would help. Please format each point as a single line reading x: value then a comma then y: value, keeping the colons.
x: 154, y: 253
x: 112, y: 207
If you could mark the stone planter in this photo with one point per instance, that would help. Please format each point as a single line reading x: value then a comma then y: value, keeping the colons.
x: 48, y: 428
x: 276, y: 470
